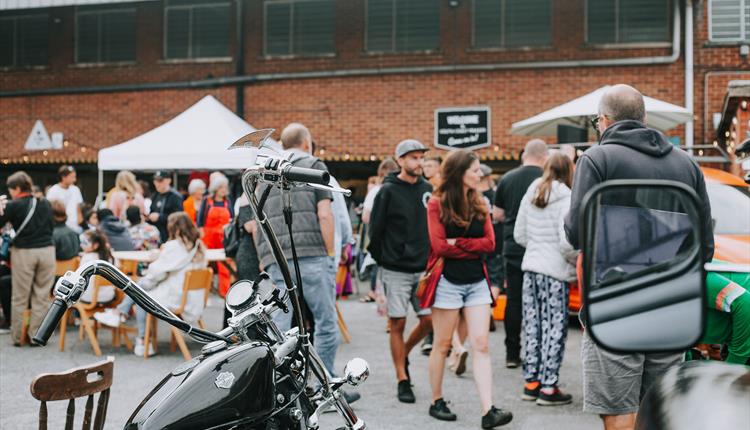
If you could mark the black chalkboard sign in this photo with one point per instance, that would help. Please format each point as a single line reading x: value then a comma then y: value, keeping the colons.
x: 465, y: 128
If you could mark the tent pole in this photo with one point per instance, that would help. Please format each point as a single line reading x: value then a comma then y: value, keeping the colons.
x: 100, y: 185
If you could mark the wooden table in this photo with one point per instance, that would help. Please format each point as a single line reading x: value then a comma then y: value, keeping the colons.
x: 212, y: 255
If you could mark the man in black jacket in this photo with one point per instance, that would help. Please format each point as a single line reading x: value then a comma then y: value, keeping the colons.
x: 400, y: 243
x: 164, y: 202
x: 613, y: 384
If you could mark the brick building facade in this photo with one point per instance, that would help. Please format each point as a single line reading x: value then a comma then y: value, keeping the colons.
x: 357, y: 102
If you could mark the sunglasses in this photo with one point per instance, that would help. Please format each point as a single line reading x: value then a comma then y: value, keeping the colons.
x: 594, y: 120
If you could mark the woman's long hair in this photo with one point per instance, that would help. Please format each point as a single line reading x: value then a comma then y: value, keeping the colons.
x: 125, y: 181
x: 456, y: 206
x: 182, y: 228
x: 98, y: 238
x: 558, y: 168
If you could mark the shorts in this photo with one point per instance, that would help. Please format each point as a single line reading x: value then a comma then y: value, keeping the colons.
x: 456, y: 296
x: 400, y: 291
x: 614, y: 384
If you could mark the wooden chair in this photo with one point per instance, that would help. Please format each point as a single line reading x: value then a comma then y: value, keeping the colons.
x: 129, y: 267
x: 198, y: 279
x: 88, y: 324
x: 342, y: 325
x: 74, y: 383
x: 61, y: 267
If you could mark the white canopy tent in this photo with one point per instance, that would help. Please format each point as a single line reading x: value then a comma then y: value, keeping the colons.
x: 196, y: 139
x: 659, y: 115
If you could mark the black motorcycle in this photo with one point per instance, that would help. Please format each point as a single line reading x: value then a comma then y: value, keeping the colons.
x: 250, y: 375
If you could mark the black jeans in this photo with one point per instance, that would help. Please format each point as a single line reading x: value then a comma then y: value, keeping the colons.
x: 513, y: 309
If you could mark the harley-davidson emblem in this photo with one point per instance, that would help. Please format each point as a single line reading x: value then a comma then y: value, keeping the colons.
x: 224, y: 380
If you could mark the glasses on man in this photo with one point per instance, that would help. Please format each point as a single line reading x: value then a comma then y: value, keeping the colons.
x: 595, y: 122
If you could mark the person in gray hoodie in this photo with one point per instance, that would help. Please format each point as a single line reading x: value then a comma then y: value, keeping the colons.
x: 613, y: 384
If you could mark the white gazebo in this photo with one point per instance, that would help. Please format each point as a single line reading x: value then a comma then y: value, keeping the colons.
x: 659, y: 115
x: 196, y: 139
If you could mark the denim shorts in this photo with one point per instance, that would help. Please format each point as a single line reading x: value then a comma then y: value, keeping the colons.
x: 456, y: 296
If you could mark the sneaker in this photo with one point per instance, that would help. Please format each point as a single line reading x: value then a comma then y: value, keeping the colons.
x: 555, y: 399
x: 496, y: 417
x: 405, y: 393
x: 110, y: 318
x: 531, y: 391
x: 461, y: 362
x: 427, y: 344
x: 440, y: 410
x: 512, y: 363
x: 139, y: 348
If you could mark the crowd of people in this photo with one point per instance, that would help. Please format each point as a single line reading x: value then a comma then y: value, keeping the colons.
x: 444, y: 240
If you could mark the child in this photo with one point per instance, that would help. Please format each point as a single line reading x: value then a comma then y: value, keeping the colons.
x: 96, y: 247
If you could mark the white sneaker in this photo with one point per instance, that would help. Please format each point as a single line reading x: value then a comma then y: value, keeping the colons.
x: 140, y: 348
x: 110, y: 317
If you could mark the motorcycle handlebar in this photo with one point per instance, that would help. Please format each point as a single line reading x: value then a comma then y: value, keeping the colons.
x: 302, y: 174
x: 55, y: 312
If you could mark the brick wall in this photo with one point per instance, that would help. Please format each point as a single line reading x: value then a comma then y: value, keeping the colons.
x: 358, y: 116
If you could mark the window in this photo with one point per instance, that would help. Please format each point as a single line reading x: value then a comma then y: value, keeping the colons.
x: 508, y: 23
x: 299, y: 27
x: 627, y: 21
x: 196, y: 29
x: 402, y: 25
x: 729, y: 20
x: 105, y: 35
x: 24, y: 40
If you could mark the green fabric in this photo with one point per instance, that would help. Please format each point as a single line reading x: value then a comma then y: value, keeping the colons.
x: 728, y: 316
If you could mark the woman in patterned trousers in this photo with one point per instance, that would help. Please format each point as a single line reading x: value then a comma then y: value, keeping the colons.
x: 548, y: 265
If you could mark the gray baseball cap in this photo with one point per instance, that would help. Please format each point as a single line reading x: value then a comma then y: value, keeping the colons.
x: 409, y: 145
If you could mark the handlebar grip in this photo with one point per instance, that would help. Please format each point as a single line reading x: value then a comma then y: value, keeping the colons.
x: 55, y: 312
x: 302, y: 174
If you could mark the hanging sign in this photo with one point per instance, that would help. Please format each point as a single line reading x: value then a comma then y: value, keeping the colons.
x: 38, y: 138
x: 462, y: 128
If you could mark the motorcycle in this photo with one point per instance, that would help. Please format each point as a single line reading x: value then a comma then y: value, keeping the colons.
x: 250, y: 375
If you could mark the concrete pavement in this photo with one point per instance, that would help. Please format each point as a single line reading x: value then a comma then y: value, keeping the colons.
x: 134, y: 377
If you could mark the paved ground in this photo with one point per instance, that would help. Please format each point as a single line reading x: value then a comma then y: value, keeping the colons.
x: 134, y: 378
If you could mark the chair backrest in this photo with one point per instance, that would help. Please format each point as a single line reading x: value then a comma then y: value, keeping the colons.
x: 128, y: 267
x: 63, y: 266
x: 82, y: 381
x: 196, y: 279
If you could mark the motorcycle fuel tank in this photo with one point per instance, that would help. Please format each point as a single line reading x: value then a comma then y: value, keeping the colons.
x: 211, y: 391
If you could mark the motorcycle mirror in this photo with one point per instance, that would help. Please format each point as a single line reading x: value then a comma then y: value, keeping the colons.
x: 256, y: 139
x: 356, y: 371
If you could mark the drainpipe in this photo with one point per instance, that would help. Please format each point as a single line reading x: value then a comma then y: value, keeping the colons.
x: 239, y: 95
x: 689, y: 130
x: 247, y: 79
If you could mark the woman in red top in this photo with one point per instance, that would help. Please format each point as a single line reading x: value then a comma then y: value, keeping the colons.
x: 460, y: 233
x: 216, y: 212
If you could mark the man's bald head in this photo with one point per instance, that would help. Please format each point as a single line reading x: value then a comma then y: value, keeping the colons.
x: 295, y: 135
x: 535, y: 152
x: 622, y: 102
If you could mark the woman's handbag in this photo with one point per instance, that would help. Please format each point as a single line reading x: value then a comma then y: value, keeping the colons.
x: 7, y: 240
x: 231, y: 238
x: 424, y: 280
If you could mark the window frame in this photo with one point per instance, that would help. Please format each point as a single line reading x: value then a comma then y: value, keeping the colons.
x: 190, y: 58
x: 88, y: 11
x: 503, y: 46
x: 292, y: 54
x: 743, y: 28
x: 393, y: 50
x: 619, y: 45
x: 15, y: 65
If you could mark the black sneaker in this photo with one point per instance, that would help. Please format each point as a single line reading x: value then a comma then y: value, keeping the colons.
x: 496, y: 417
x: 531, y: 395
x: 555, y: 399
x: 427, y: 344
x: 440, y: 410
x: 512, y: 363
x: 405, y: 393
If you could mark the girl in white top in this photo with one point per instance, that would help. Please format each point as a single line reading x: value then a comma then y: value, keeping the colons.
x: 548, y: 265
x: 95, y: 246
x: 165, y: 277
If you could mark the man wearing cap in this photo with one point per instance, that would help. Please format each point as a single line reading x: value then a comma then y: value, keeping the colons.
x: 163, y: 203
x: 399, y: 242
